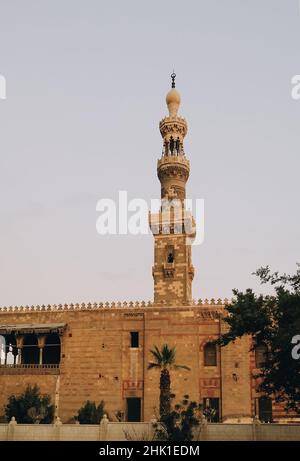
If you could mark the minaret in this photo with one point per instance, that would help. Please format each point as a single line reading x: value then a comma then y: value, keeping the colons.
x: 173, y: 231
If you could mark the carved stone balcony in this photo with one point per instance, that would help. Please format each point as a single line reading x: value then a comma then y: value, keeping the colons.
x: 29, y: 369
x: 169, y: 270
x: 180, y: 160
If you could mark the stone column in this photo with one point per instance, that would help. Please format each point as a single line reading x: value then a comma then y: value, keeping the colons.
x: 41, y: 344
x: 19, y: 343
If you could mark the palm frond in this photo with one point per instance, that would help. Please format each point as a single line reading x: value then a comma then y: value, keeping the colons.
x: 165, y: 358
x: 168, y: 355
x: 153, y: 365
x: 184, y: 367
x: 156, y: 354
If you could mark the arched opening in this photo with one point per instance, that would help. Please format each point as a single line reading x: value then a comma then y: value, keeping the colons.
x: 261, y: 352
x: 210, y: 355
x: 172, y: 144
x: 10, y: 349
x: 2, y: 349
x: 51, y: 352
x: 31, y: 350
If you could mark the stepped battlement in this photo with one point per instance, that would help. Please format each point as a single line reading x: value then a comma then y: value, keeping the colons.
x: 111, y: 305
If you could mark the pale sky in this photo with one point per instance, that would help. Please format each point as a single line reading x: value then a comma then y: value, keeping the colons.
x: 86, y: 86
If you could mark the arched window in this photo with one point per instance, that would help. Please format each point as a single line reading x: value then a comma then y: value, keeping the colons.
x: 261, y: 352
x: 170, y: 257
x: 51, y: 352
x: 170, y: 254
x: 210, y: 355
x: 31, y: 352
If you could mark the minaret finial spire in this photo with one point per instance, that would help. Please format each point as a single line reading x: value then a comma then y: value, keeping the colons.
x: 173, y: 76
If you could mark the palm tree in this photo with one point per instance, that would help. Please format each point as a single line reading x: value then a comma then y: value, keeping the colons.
x: 165, y: 361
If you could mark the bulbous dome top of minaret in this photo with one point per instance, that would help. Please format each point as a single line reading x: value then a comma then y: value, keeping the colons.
x: 173, y: 102
x: 173, y: 98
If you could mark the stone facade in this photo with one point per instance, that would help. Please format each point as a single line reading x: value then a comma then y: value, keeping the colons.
x: 104, y: 349
x: 98, y: 362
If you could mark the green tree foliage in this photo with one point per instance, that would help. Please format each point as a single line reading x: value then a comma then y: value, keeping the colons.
x: 89, y: 413
x: 165, y: 360
x: 273, y: 320
x: 180, y: 423
x: 30, y: 407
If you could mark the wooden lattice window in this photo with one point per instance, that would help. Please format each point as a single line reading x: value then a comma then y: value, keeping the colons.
x: 210, y: 355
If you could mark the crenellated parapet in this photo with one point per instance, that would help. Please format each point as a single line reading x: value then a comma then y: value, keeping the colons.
x: 110, y: 305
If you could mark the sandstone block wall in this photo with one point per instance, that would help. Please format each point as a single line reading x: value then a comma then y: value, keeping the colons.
x: 98, y: 362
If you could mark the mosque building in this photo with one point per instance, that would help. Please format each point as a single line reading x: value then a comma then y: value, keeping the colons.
x: 101, y: 351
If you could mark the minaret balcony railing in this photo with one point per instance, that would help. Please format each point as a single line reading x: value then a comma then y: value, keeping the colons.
x: 182, y: 160
x: 171, y: 224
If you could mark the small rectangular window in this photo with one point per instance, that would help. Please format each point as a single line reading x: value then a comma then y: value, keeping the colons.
x: 210, y: 355
x: 134, y: 339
